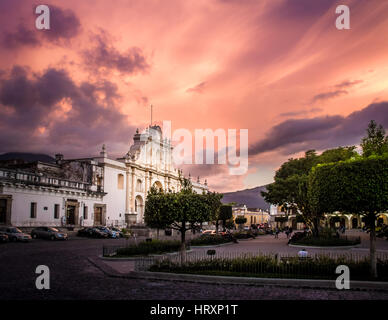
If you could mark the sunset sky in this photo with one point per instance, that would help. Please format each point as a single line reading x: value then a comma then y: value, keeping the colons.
x: 278, y: 68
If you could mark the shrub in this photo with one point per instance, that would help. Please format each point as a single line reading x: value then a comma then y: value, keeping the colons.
x: 324, y: 241
x: 244, y: 235
x: 153, y: 247
x: 207, y: 239
x: 318, y: 267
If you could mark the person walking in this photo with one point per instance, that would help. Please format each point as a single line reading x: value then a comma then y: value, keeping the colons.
x: 276, y: 233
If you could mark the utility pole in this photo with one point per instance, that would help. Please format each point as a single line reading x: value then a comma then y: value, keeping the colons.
x: 151, y: 115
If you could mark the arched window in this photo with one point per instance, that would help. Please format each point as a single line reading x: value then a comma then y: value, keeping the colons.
x: 139, y: 185
x: 120, y: 181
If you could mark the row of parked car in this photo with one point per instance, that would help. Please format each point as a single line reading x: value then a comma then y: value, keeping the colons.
x: 15, y: 234
x: 100, y: 232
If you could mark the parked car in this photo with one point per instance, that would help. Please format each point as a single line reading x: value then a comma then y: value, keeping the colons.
x: 15, y: 234
x: 92, y: 233
x: 121, y: 235
x: 48, y: 233
x: 209, y: 232
x: 111, y: 233
x: 3, y: 237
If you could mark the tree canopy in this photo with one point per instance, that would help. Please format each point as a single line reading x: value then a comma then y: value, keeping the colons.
x: 291, y: 182
x: 375, y: 142
x: 182, y: 211
x: 358, y: 186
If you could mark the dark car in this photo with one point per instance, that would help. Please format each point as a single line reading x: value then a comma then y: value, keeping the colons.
x: 48, y: 233
x: 92, y: 233
x: 109, y: 232
x: 15, y: 234
x: 3, y: 237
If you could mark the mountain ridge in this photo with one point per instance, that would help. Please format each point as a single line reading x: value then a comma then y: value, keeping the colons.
x: 251, y: 197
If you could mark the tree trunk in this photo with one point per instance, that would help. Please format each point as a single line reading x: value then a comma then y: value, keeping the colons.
x: 217, y: 226
x: 373, y: 262
x: 183, y: 246
x: 316, y: 227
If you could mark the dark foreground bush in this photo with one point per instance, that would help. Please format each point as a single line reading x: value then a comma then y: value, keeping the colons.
x: 153, y: 247
x: 319, y: 267
x: 211, y: 239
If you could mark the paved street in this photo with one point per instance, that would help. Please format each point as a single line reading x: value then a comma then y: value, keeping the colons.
x: 74, y: 277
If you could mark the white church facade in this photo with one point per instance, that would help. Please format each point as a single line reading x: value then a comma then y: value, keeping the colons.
x: 90, y: 191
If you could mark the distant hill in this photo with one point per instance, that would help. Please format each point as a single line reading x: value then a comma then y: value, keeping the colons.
x: 28, y: 157
x: 250, y: 197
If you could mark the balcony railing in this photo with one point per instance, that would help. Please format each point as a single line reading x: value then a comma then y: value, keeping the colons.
x: 37, y: 179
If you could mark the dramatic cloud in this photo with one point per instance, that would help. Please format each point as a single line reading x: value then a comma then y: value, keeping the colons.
x: 300, y: 112
x: 202, y: 64
x: 52, y: 113
x: 339, y: 89
x: 105, y: 57
x: 21, y: 37
x: 328, y: 95
x: 296, y: 135
x: 198, y: 88
x: 64, y: 25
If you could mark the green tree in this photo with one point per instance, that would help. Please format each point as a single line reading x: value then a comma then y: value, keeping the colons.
x: 359, y: 186
x: 153, y: 207
x: 182, y: 211
x: 290, y: 187
x: 240, y: 220
x: 225, y: 214
x: 213, y: 200
x: 375, y: 142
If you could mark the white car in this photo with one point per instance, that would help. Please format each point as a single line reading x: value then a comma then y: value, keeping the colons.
x: 209, y: 232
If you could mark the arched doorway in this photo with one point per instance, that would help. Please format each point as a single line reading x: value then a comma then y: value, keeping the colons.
x: 139, y: 207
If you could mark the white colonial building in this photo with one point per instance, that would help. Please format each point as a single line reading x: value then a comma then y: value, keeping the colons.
x: 89, y: 191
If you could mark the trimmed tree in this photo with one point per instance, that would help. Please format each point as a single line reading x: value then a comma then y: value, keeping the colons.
x: 359, y: 186
x: 240, y: 220
x: 225, y: 214
x: 291, y: 184
x: 182, y: 211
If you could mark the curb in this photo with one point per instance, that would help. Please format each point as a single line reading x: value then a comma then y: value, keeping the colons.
x: 140, y: 257
x: 214, y: 246
x: 247, y: 281
x: 333, y: 247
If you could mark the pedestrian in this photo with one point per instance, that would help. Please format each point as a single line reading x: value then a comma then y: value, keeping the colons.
x: 276, y: 233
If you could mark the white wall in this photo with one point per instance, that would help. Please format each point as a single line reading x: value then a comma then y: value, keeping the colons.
x: 21, y: 207
x: 115, y: 199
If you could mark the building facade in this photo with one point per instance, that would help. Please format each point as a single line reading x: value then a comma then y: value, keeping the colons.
x: 349, y: 221
x: 253, y: 215
x: 90, y: 191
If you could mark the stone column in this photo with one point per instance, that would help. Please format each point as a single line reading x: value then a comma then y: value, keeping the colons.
x: 150, y: 184
x: 127, y: 192
x: 133, y: 190
x: 146, y: 183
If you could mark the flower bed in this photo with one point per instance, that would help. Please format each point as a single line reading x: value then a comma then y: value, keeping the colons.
x: 146, y: 248
x: 212, y: 239
x: 303, y: 239
x: 319, y: 267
